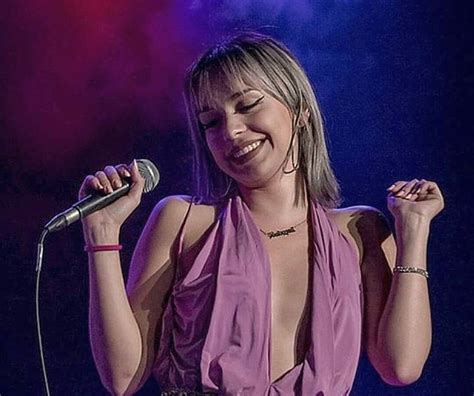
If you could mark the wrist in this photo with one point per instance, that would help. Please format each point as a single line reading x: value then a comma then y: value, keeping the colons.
x: 101, y: 234
x: 412, y: 232
x: 412, y: 223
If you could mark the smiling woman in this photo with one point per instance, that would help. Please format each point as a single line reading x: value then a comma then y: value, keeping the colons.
x: 258, y: 285
x: 249, y: 136
x: 253, y: 68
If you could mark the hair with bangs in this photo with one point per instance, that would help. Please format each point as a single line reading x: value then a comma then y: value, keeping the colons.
x: 255, y: 60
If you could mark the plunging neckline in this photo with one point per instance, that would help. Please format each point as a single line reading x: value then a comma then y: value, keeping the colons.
x: 216, y: 329
x: 261, y: 246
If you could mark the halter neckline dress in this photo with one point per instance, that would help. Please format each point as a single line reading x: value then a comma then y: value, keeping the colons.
x: 216, y: 325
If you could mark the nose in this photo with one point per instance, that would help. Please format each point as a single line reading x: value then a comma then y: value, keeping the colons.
x: 234, y: 125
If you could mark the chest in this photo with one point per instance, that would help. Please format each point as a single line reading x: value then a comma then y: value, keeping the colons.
x: 289, y: 270
x: 290, y: 273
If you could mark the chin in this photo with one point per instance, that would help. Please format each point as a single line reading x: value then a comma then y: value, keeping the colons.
x: 257, y: 181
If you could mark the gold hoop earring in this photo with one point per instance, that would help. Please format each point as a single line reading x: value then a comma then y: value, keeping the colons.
x: 294, y: 163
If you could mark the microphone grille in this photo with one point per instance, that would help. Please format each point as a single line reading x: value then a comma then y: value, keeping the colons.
x: 150, y: 173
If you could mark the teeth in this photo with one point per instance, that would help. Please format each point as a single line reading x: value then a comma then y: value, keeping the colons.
x: 247, y: 149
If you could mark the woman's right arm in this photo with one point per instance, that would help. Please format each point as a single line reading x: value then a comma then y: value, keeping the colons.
x: 123, y: 322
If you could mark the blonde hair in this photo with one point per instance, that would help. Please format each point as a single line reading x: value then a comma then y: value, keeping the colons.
x: 252, y: 59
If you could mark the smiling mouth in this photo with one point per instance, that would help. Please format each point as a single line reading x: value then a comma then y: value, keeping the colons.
x: 247, y: 149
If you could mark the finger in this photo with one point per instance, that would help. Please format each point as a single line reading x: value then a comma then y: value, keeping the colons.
x: 138, y: 183
x: 412, y: 196
x: 397, y: 186
x: 430, y: 188
x: 423, y: 187
x: 104, y: 180
x: 411, y: 189
x: 416, y: 188
x: 122, y: 170
x: 90, y: 183
x: 134, y: 172
x: 113, y: 176
x: 406, y: 188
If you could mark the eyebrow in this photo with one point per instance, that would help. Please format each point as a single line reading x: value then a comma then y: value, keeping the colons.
x: 234, y: 96
x: 240, y: 93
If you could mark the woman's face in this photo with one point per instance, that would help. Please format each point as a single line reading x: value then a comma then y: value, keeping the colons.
x: 248, y: 133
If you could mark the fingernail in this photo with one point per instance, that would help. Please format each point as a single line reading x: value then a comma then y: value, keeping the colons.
x: 391, y: 187
x: 408, y: 196
x: 135, y: 165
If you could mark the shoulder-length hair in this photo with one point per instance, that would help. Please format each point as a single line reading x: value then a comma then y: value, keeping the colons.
x: 255, y: 60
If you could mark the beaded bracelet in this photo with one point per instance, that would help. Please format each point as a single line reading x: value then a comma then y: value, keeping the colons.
x: 102, y: 248
x: 416, y: 270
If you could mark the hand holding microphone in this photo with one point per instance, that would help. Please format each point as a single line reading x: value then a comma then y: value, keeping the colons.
x: 110, y: 196
x: 106, y: 199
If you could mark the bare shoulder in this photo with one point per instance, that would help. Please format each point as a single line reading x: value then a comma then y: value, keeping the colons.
x: 173, y: 206
x: 166, y: 218
x: 152, y: 254
x: 157, y: 244
x: 365, y: 226
x: 175, y: 209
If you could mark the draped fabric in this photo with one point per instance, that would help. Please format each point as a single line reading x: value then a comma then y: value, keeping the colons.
x: 216, y: 326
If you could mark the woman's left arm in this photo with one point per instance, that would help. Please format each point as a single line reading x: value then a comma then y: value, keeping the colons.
x: 398, y: 320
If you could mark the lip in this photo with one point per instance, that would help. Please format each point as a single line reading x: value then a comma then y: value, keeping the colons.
x: 248, y: 156
x: 241, y: 146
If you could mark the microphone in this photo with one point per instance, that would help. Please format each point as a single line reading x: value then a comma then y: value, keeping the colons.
x: 97, y: 201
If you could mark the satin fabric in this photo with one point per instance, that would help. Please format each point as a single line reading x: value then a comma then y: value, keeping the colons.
x: 216, y: 326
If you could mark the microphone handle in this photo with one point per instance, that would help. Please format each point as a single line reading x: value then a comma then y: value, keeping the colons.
x: 86, y: 206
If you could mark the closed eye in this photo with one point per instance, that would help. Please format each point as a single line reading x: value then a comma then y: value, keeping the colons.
x: 246, y: 108
x: 240, y: 108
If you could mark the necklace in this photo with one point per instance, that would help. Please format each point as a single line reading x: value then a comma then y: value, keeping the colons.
x: 279, y: 233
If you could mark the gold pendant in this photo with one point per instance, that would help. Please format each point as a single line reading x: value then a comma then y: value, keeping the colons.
x: 279, y: 233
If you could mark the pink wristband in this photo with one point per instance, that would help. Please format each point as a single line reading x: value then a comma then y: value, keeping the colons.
x: 102, y: 248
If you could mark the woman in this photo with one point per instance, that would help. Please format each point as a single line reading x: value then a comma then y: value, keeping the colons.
x: 258, y: 284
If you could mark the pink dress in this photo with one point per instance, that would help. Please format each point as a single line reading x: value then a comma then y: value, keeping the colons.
x: 216, y: 326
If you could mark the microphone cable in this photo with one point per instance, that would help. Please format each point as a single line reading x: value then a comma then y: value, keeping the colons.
x: 39, y: 262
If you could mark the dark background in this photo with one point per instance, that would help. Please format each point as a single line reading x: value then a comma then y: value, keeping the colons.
x: 85, y: 84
